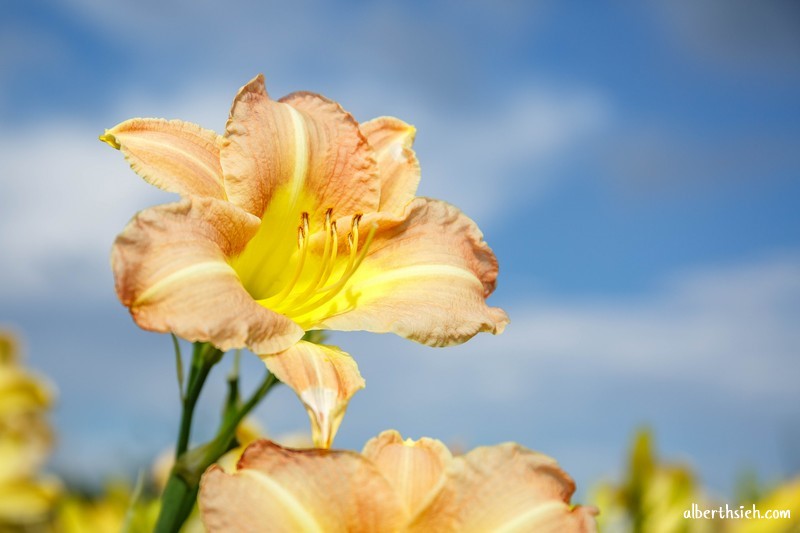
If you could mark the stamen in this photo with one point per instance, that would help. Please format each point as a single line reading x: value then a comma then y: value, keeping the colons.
x: 319, y: 278
x: 302, y: 243
x: 356, y: 258
x: 331, y: 262
x: 352, y: 241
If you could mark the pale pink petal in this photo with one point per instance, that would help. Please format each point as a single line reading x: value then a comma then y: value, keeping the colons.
x: 505, y: 488
x: 324, y: 378
x: 280, y: 490
x: 304, y: 151
x: 173, y: 155
x: 391, y: 139
x: 171, y: 271
x: 414, y: 468
x: 426, y: 277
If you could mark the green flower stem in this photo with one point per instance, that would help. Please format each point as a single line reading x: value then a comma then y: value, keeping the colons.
x: 180, y: 494
x: 204, y: 357
x: 177, y: 503
x: 178, y: 366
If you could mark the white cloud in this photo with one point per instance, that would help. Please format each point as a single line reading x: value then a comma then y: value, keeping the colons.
x: 503, y: 155
x: 64, y: 197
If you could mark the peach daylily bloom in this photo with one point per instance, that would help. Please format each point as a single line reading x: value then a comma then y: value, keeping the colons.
x: 393, y: 485
x: 324, y: 378
x: 296, y: 218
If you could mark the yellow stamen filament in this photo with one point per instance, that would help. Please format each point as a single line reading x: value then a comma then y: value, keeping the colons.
x: 323, y: 265
x: 334, y: 253
x: 302, y: 244
x: 332, y: 291
x: 299, y: 297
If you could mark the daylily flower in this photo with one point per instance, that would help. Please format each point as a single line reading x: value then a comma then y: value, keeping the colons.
x: 296, y: 218
x: 393, y: 485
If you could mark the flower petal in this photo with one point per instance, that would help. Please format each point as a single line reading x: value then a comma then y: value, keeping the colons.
x: 325, y: 378
x: 414, y: 469
x: 434, y: 258
x: 277, y: 489
x: 171, y: 271
x: 305, y: 149
x: 391, y: 139
x: 505, y: 488
x: 173, y: 155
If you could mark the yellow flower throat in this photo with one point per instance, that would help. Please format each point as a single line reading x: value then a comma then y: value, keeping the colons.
x: 298, y: 276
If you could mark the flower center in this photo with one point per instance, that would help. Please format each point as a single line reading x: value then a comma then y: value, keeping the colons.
x: 313, y: 272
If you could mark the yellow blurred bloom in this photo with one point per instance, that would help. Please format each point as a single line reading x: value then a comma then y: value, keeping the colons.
x: 26, y: 498
x: 26, y: 502
x: 112, y: 511
x: 782, y: 498
x: 393, y: 485
x: 652, y: 497
x: 8, y: 348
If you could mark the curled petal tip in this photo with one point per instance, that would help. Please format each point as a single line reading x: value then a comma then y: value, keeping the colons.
x: 500, y: 318
x: 411, y: 135
x: 110, y: 140
x: 257, y: 85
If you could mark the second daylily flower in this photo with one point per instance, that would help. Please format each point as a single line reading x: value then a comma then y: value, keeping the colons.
x: 297, y: 218
x: 393, y: 485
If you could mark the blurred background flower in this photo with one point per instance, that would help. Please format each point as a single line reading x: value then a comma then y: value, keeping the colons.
x: 634, y: 167
x: 653, y: 495
x: 27, y: 497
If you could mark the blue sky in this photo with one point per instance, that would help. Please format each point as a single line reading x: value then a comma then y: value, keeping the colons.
x: 635, y: 169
